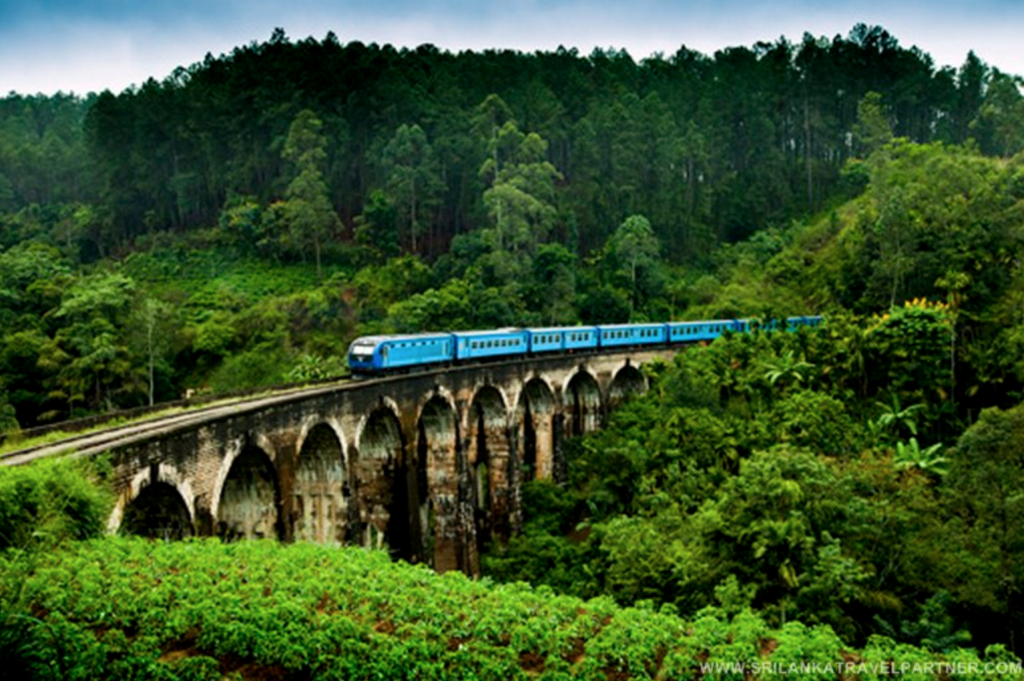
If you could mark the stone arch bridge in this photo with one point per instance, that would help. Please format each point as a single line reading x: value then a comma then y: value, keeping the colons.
x: 428, y: 465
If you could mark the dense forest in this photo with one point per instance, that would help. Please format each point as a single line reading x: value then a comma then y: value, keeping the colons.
x: 238, y: 223
x: 257, y: 210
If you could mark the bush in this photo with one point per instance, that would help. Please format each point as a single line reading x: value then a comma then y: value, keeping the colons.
x: 51, y: 501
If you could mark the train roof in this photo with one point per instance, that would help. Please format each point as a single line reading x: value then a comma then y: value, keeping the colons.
x: 492, y: 332
x: 375, y: 340
x: 628, y: 326
x: 555, y: 329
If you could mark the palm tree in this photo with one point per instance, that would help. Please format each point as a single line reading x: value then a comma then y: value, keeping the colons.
x: 895, y: 415
x: 910, y: 455
x: 788, y: 367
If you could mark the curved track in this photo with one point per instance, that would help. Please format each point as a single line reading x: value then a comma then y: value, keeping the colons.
x: 145, y: 428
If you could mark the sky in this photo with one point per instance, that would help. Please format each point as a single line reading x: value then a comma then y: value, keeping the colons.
x: 82, y: 46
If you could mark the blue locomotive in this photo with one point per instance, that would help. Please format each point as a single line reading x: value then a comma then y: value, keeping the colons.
x: 377, y: 355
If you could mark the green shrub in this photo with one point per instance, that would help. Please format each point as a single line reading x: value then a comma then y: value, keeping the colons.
x: 51, y: 501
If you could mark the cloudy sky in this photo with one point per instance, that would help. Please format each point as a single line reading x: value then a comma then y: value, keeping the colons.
x: 85, y: 46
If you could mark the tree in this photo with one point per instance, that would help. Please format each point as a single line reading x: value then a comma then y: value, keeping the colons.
x: 911, y: 455
x: 520, y: 201
x: 983, y: 490
x: 787, y: 368
x: 872, y: 130
x: 153, y: 325
x: 635, y: 248
x: 8, y: 422
x: 89, y: 356
x: 413, y: 178
x: 307, y: 211
x: 1000, y: 123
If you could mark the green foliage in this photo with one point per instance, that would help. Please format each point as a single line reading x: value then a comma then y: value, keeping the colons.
x: 316, y: 368
x: 50, y: 502
x: 129, y: 608
x: 306, y: 214
x: 983, y: 491
x: 635, y: 248
x: 928, y: 459
x: 8, y: 421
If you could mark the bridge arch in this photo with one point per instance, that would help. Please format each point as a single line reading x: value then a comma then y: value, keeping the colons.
x: 581, y: 403
x: 159, y: 512
x: 382, y: 478
x: 249, y: 497
x: 627, y: 383
x: 437, y: 479
x: 488, y: 447
x: 321, y: 488
x: 535, y: 429
x: 159, y: 503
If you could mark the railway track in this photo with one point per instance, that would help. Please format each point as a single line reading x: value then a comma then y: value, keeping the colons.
x: 90, y: 443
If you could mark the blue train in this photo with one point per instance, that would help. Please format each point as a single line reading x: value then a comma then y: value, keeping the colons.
x: 378, y: 355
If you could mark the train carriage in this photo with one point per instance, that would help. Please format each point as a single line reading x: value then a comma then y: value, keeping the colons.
x: 562, y: 338
x: 546, y: 339
x: 794, y: 323
x: 692, y: 332
x: 581, y: 338
x: 615, y: 335
x: 484, y: 344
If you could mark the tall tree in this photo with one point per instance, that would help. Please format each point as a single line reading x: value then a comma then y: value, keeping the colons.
x: 413, y: 178
x: 308, y: 214
x: 872, y: 129
x: 520, y: 201
x: 635, y: 248
x: 984, y: 490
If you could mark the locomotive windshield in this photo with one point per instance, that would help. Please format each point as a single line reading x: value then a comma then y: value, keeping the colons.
x: 361, y: 352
